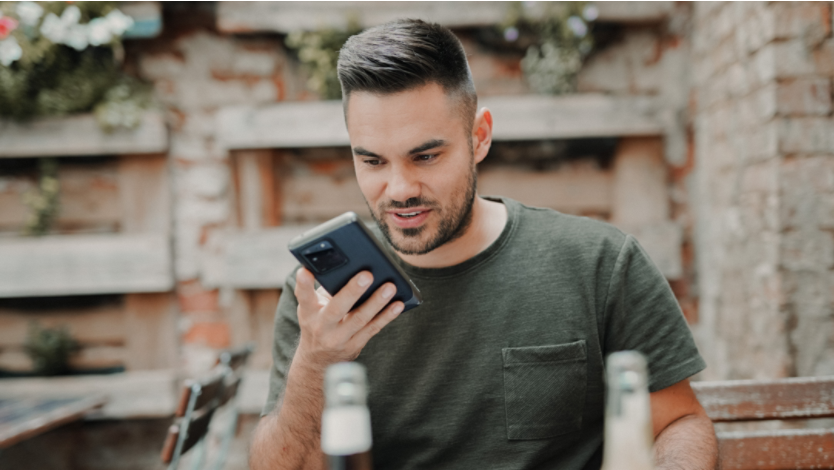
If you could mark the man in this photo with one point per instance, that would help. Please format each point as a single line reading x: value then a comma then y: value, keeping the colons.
x: 502, y: 366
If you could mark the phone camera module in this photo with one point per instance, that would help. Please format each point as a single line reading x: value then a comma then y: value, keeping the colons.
x: 324, y: 257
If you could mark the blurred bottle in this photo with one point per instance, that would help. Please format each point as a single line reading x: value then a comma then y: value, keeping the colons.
x: 346, y: 421
x: 628, y: 424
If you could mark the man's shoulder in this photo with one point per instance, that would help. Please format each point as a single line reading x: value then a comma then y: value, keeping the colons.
x: 551, y: 227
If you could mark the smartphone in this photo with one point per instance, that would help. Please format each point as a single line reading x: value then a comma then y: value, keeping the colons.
x: 340, y: 248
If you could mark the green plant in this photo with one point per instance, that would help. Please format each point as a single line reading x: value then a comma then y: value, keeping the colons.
x: 50, y: 349
x: 43, y: 201
x: 318, y: 51
x: 60, y: 58
x: 562, y: 39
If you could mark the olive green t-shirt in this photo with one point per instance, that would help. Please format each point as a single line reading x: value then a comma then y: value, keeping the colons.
x: 502, y: 365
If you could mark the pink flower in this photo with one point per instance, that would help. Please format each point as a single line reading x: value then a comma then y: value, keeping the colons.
x: 7, y: 25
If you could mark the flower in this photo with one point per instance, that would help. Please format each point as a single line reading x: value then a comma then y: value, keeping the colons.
x: 511, y: 34
x: 71, y: 15
x: 53, y: 29
x: 76, y: 37
x: 577, y: 26
x: 7, y: 25
x: 98, y: 31
x: 29, y: 13
x: 10, y: 51
x: 590, y: 12
x: 118, y: 22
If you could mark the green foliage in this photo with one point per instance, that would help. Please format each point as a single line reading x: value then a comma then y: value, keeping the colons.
x: 43, y: 202
x: 69, y: 68
x: 318, y: 51
x: 562, y: 33
x: 50, y: 349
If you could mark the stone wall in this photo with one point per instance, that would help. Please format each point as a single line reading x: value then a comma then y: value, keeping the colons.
x: 764, y: 147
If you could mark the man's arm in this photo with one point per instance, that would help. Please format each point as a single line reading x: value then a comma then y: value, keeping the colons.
x: 684, y: 435
x: 288, y: 438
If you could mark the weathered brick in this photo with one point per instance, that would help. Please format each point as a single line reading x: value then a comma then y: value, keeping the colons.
x: 804, y: 96
x: 806, y: 135
x: 793, y: 58
x: 807, y: 192
x: 204, y: 180
x: 213, y: 334
x: 808, y: 250
x: 194, y: 298
x: 630, y: 66
x: 764, y: 65
x: 810, y: 21
x: 824, y: 58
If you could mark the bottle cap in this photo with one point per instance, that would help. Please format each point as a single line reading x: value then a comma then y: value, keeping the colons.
x: 345, y: 383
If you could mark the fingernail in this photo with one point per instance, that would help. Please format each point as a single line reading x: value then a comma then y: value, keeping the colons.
x: 364, y: 280
x: 388, y: 292
x: 398, y: 309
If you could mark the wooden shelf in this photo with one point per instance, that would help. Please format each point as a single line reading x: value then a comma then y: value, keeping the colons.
x: 526, y: 117
x: 254, y: 260
x: 85, y: 264
x: 283, y: 17
x: 141, y: 394
x: 81, y: 135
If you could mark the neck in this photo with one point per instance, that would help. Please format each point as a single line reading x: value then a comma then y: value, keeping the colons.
x: 488, y: 220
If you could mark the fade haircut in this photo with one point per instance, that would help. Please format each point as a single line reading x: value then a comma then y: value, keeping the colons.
x: 404, y: 55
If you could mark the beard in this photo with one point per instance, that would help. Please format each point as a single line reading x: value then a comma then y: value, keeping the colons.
x: 454, y: 220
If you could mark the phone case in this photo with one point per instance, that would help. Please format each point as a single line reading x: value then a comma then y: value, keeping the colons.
x: 338, y: 249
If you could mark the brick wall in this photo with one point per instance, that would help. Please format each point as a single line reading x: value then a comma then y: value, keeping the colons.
x: 764, y: 146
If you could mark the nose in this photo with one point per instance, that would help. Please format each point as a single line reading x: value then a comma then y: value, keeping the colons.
x: 403, y: 184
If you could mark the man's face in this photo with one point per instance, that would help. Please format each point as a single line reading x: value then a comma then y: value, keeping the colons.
x: 414, y: 164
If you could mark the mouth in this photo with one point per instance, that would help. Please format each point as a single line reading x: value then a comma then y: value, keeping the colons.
x: 409, y: 218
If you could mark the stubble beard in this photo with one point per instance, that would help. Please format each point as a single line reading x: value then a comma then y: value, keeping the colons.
x: 450, y: 227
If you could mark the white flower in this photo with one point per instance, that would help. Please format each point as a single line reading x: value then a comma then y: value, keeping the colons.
x: 53, y: 29
x: 10, y: 51
x: 118, y: 22
x: 99, y: 31
x: 76, y: 37
x: 29, y: 13
x: 71, y: 15
x: 579, y: 28
x: 590, y: 12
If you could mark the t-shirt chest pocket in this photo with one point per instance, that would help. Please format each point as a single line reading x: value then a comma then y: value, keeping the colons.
x: 544, y: 389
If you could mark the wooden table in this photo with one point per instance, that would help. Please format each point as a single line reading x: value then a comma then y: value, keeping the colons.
x: 22, y: 418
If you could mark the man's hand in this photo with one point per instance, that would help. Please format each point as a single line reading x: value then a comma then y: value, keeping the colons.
x: 330, y: 331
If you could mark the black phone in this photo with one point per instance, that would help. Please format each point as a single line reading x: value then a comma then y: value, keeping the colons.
x: 340, y: 248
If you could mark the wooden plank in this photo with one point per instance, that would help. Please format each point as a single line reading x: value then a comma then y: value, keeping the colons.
x: 81, y: 135
x: 314, y: 192
x: 264, y: 303
x: 105, y: 325
x: 88, y: 198
x: 144, y: 194
x: 30, y: 417
x: 255, y: 189
x: 88, y: 357
x: 283, y: 17
x: 532, y: 117
x: 641, y: 194
x: 141, y: 394
x: 256, y: 260
x: 578, y: 188
x: 776, y: 450
x: 746, y: 400
x: 151, y: 320
x: 85, y: 264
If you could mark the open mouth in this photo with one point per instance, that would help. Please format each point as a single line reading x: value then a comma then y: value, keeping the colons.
x: 409, y: 218
x: 408, y: 215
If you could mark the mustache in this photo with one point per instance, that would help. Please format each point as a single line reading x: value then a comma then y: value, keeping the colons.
x: 409, y: 203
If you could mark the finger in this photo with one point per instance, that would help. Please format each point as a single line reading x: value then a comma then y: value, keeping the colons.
x: 343, y: 301
x: 361, y: 338
x: 305, y: 290
x: 323, y: 295
x: 371, y: 307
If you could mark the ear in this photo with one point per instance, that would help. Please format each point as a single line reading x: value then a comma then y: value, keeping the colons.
x: 482, y: 134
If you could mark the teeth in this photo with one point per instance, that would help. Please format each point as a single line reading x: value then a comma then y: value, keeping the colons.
x: 408, y: 214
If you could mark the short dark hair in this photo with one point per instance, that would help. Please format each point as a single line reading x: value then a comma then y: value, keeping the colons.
x: 407, y: 54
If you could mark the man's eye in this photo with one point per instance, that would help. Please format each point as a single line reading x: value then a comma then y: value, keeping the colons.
x: 373, y: 161
x: 426, y: 158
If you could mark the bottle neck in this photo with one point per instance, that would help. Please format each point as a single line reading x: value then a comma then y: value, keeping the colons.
x: 628, y: 429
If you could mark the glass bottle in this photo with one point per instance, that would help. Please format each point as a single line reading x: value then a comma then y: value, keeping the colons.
x: 346, y: 421
x: 627, y: 444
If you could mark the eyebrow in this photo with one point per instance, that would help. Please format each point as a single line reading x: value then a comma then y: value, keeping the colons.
x: 428, y: 145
